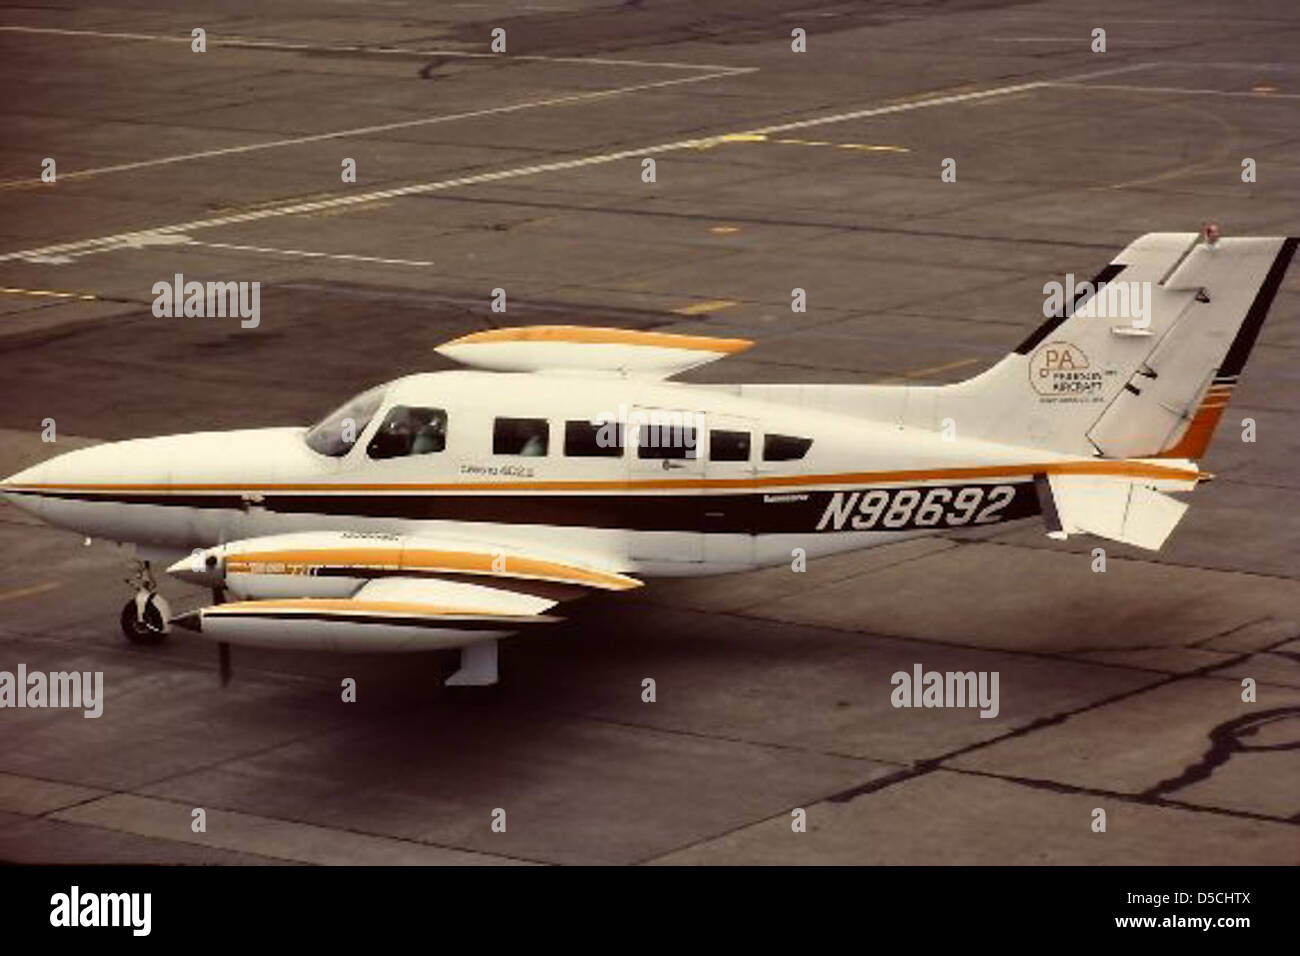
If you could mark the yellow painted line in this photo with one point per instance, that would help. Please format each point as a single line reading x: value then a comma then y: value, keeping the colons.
x: 872, y: 148
x: 921, y: 372
x: 724, y: 230
x: 50, y: 293
x: 804, y: 142
x: 28, y: 592
x: 35, y: 182
x: 699, y: 308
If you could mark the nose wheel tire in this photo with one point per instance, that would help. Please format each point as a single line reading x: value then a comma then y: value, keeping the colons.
x: 147, y: 628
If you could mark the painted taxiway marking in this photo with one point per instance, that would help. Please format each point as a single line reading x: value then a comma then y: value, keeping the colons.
x: 28, y: 592
x: 763, y: 138
x: 309, y: 255
x: 1256, y: 94
x: 700, y: 308
x: 258, y: 43
x: 922, y: 372
x: 50, y: 293
x: 65, y: 251
x: 565, y: 100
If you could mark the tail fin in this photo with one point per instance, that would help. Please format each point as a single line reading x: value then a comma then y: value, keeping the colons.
x: 1141, y: 363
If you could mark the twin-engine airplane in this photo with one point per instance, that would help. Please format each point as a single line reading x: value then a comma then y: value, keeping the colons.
x: 455, y: 508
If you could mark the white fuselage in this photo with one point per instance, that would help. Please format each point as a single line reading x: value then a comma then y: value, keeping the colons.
x: 801, y: 478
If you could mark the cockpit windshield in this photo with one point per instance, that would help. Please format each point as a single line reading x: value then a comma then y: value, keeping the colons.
x: 337, y: 432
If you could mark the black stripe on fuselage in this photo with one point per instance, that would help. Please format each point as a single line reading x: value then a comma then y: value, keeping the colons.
x: 1055, y: 322
x: 762, y: 512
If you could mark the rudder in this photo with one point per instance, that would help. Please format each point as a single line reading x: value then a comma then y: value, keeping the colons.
x: 1141, y: 363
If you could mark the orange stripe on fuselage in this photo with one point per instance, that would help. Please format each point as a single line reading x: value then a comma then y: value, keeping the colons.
x: 1108, y: 468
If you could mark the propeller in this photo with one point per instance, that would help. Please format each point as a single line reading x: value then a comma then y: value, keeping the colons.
x: 223, y: 648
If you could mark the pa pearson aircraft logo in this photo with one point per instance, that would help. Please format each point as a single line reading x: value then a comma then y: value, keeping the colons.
x: 1062, y: 370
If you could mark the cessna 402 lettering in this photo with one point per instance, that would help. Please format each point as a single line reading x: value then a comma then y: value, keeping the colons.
x: 451, y: 509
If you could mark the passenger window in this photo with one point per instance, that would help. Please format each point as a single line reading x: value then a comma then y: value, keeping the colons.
x: 529, y: 437
x: 665, y: 441
x: 784, y: 447
x: 408, y: 430
x: 728, y: 446
x: 593, y: 439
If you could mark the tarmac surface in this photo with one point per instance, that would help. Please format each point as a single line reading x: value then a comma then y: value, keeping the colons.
x: 774, y: 170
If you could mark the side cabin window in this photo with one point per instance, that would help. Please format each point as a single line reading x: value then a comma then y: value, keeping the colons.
x: 529, y: 437
x: 785, y: 447
x: 409, y: 430
x: 725, y: 445
x: 593, y: 439
x: 670, y: 440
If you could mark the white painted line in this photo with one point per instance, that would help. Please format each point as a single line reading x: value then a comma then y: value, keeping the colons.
x: 257, y: 43
x: 117, y: 241
x: 1178, y: 89
x: 1229, y: 65
x: 382, y: 128
x: 310, y: 255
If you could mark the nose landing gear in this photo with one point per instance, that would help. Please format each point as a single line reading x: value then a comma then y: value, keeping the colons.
x: 144, y: 617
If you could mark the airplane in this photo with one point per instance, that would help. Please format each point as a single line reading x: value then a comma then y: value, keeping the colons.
x: 452, y: 509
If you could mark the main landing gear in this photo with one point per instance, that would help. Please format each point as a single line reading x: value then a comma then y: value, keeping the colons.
x: 144, y: 617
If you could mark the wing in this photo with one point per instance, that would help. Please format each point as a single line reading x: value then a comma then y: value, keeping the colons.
x: 541, y: 348
x: 343, y: 591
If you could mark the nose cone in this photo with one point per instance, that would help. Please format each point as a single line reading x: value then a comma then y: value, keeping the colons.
x: 202, y: 567
x: 71, y: 489
x: 12, y: 488
x: 28, y: 476
x: 39, y: 488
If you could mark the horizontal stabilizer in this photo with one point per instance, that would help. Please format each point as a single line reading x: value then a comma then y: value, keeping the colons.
x: 1119, y: 509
